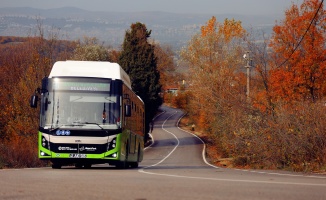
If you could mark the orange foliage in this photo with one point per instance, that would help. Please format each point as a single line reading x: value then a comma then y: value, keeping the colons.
x: 114, y: 55
x: 181, y: 100
x: 209, y: 28
x: 303, y: 75
x: 22, y: 66
x: 228, y: 30
x: 165, y: 65
x: 231, y: 29
x: 278, y: 134
x: 213, y: 61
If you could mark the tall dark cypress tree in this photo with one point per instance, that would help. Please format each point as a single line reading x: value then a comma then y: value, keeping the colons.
x: 138, y: 60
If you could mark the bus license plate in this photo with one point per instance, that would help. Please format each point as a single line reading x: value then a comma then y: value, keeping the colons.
x: 75, y: 155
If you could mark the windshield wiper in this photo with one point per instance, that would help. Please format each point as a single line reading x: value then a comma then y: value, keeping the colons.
x: 93, y: 123
x: 80, y: 124
x: 74, y: 124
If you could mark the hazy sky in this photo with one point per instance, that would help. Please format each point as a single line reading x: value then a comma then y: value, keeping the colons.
x: 177, y: 6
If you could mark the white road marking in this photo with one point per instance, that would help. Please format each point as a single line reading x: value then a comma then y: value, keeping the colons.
x: 142, y: 170
x: 233, y: 180
x: 204, y: 148
x: 151, y: 134
x: 172, y: 149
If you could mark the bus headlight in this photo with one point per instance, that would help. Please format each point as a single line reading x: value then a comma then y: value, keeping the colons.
x: 43, y: 154
x: 45, y: 143
x: 112, y: 144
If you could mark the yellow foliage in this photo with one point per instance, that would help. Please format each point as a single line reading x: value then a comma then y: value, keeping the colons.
x: 230, y: 29
x: 210, y: 27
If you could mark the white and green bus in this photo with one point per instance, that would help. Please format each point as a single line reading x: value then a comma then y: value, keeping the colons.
x: 89, y: 115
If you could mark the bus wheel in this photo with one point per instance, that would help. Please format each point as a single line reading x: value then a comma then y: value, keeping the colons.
x: 121, y: 165
x: 134, y: 164
x: 78, y: 165
x: 124, y: 164
x: 87, y: 166
x: 56, y: 166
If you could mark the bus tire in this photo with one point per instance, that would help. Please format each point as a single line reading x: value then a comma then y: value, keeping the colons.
x: 124, y: 164
x: 134, y: 164
x: 56, y: 166
x: 78, y: 165
x: 87, y: 166
x: 121, y: 165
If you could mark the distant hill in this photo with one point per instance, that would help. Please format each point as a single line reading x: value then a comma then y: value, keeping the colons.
x: 109, y: 27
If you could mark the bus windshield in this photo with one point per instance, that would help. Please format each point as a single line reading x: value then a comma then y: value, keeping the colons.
x: 83, y: 102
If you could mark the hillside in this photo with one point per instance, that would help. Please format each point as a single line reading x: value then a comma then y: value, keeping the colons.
x: 168, y: 28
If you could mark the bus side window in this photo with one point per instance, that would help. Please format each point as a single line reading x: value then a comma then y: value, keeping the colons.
x: 128, y: 110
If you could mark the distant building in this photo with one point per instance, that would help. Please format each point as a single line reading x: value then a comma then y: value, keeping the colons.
x: 172, y: 90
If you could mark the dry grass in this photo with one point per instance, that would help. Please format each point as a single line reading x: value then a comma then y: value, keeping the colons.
x: 293, y: 138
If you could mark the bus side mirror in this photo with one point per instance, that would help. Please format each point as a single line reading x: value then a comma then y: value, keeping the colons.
x: 128, y: 110
x: 33, y: 101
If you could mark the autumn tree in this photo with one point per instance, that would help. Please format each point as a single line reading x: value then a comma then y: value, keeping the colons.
x: 22, y: 67
x: 260, y: 66
x: 90, y: 50
x: 114, y: 55
x: 214, y: 57
x: 165, y: 64
x: 298, y: 44
x: 292, y: 79
x: 139, y: 61
x: 168, y: 76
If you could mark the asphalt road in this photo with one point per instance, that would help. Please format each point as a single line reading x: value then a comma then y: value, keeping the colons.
x: 173, y: 168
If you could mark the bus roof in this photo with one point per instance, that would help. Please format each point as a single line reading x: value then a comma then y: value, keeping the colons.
x: 95, y: 69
